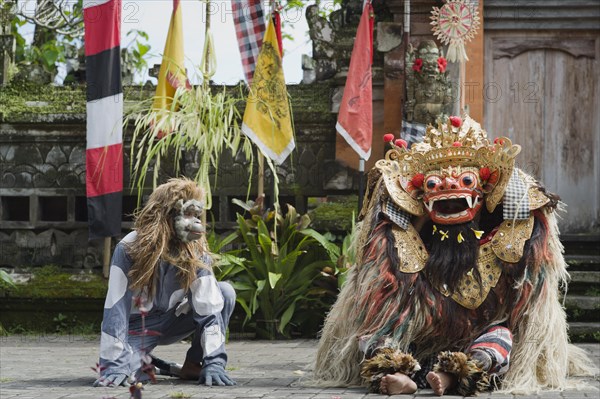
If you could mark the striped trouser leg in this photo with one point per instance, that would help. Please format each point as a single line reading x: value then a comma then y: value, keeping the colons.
x: 492, y: 349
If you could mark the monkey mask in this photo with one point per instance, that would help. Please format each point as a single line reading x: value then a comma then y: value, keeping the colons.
x: 186, y: 221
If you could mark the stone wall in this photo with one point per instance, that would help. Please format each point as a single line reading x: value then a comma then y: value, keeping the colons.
x: 43, y: 212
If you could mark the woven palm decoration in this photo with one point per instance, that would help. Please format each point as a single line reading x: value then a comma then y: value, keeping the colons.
x: 455, y: 23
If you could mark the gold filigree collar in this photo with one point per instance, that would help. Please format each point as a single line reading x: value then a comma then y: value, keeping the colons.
x: 507, y: 245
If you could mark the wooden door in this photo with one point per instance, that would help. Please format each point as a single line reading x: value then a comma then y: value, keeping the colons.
x: 541, y: 90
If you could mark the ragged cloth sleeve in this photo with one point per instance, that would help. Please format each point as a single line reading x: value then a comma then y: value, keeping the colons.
x: 115, y: 351
x: 207, y: 303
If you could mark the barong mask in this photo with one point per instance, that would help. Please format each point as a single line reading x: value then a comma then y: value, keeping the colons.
x: 186, y: 221
x: 451, y: 173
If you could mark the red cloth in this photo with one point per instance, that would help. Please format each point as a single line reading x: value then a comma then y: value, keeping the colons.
x: 355, y: 118
x: 104, y: 136
x: 277, y: 22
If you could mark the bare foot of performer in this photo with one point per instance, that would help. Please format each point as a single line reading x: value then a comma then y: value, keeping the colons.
x: 440, y: 381
x: 397, y: 384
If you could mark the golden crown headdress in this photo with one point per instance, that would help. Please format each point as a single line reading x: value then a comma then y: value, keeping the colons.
x: 459, y: 143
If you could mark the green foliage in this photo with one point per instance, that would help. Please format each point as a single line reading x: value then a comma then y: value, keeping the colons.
x: 61, y: 323
x: 5, y: 280
x: 17, y: 97
x: 227, y: 264
x: 59, y: 48
x: 335, y: 215
x: 51, y: 282
x: 133, y: 54
x: 197, y: 121
x: 277, y: 268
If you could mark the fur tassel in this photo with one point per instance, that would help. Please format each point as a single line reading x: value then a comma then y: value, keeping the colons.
x: 387, y: 361
x: 471, y: 379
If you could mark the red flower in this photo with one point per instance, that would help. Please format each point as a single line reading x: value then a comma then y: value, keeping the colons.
x: 456, y: 121
x: 401, y: 143
x: 442, y: 64
x: 417, y: 180
x: 485, y: 173
x: 418, y: 64
x: 388, y: 137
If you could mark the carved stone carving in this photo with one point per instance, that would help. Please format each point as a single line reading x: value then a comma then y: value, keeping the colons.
x: 43, y: 165
x: 429, y: 92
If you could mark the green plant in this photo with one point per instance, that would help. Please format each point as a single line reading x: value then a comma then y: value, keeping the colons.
x: 6, y: 280
x: 61, y: 323
x: 227, y: 264
x: 347, y: 257
x: 335, y: 214
x: 197, y: 121
x: 132, y: 54
x: 283, y: 258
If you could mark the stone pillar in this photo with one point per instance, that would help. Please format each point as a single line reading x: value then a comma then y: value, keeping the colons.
x: 7, y: 41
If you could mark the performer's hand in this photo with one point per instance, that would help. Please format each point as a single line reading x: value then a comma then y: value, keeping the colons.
x: 112, y: 380
x: 214, y: 374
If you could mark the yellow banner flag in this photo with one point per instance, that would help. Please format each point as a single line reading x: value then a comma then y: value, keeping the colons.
x: 267, y: 120
x: 172, y: 69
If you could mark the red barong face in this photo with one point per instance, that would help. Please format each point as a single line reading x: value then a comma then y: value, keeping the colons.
x: 452, y: 195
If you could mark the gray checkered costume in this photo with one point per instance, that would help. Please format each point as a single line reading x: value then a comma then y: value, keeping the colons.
x: 516, y: 199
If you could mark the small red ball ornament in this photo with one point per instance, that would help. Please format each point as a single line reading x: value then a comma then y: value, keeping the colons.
x: 485, y: 173
x: 401, y: 143
x: 388, y: 137
x: 498, y: 140
x: 417, y: 180
x: 456, y: 121
x: 457, y: 144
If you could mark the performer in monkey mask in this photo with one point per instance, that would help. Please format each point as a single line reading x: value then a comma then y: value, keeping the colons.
x: 162, y: 271
x: 458, y: 276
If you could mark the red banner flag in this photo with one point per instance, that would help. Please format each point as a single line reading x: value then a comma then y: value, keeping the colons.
x: 104, y: 149
x: 355, y: 118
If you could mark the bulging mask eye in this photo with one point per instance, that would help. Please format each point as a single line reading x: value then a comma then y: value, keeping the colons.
x: 468, y: 180
x: 432, y: 183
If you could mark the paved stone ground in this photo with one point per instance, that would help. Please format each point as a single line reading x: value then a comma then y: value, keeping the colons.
x: 58, y: 367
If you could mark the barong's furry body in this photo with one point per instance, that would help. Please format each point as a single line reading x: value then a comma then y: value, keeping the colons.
x: 381, y: 305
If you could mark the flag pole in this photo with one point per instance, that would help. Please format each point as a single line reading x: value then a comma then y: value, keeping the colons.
x: 205, y: 76
x: 106, y: 257
x: 261, y: 174
x: 361, y: 183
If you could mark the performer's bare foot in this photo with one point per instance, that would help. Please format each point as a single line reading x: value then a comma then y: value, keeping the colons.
x: 190, y: 370
x: 397, y: 384
x: 440, y: 381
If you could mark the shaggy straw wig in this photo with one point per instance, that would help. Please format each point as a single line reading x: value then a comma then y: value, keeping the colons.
x: 156, y: 239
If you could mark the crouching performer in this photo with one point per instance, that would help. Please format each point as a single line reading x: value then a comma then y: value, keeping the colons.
x: 458, y: 276
x: 161, y: 290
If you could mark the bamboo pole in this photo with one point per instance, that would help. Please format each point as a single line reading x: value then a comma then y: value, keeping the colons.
x: 261, y: 174
x: 205, y: 79
x: 106, y: 257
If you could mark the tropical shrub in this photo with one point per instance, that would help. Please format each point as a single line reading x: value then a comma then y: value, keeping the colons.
x: 276, y: 269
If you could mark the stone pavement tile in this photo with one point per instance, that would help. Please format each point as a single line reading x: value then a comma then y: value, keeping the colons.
x: 51, y: 367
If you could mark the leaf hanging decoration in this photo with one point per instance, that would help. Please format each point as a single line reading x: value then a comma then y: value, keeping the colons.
x: 199, y: 121
x: 455, y: 23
